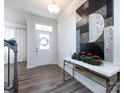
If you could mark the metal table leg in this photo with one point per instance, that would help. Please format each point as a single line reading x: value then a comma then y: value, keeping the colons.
x: 73, y: 70
x: 107, y: 86
x: 64, y: 71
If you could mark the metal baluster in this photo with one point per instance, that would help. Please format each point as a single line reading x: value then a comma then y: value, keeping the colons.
x: 8, y: 67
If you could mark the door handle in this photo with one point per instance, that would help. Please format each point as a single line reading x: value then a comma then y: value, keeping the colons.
x: 36, y: 49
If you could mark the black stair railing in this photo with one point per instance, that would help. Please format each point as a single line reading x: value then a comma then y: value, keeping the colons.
x: 14, y: 88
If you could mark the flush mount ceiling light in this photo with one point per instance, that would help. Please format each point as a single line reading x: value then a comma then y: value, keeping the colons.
x: 53, y: 8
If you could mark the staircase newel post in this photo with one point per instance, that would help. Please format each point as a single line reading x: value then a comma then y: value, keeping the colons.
x: 15, y: 81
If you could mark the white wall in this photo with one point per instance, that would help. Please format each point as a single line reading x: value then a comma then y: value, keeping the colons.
x: 66, y: 35
x: 67, y: 29
x: 12, y: 15
x: 31, y: 48
x: 117, y: 32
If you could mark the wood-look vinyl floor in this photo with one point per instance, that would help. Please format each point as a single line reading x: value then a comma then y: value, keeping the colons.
x: 46, y: 79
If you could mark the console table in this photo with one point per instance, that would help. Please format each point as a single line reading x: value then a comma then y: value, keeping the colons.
x: 105, y: 71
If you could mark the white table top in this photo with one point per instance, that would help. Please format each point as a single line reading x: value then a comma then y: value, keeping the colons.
x: 105, y: 69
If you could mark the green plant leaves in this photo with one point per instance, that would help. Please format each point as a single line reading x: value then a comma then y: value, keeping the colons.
x: 87, y: 59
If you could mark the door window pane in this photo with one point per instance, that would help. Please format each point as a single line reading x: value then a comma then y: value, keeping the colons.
x: 44, y: 41
x: 43, y: 27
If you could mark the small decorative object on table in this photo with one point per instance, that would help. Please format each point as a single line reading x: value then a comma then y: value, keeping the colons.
x: 87, y: 58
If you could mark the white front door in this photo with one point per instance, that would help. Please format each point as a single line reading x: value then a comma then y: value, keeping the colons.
x: 43, y: 51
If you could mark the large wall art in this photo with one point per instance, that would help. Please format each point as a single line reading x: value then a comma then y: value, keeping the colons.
x: 85, y: 34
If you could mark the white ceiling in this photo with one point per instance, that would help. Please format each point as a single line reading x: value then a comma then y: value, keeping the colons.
x: 37, y: 7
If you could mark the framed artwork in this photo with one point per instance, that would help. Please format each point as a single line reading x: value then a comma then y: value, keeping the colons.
x: 104, y: 8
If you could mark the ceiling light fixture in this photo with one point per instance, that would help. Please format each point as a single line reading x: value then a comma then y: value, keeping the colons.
x: 53, y: 8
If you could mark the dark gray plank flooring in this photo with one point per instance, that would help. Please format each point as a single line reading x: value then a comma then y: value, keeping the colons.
x: 46, y: 79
